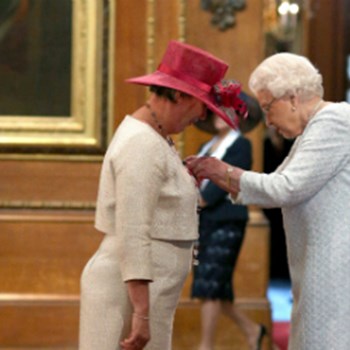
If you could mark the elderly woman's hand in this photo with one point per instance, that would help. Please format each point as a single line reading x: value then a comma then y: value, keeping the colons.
x: 206, y: 168
x: 223, y: 174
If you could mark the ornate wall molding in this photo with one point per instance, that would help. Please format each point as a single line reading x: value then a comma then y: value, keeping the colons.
x: 223, y: 11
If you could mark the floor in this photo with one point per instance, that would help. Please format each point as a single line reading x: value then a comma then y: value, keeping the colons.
x: 279, y: 294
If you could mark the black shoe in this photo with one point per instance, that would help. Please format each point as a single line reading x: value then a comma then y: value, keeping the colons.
x: 262, y: 333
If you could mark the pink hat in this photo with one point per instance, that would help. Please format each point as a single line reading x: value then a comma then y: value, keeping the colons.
x: 197, y: 73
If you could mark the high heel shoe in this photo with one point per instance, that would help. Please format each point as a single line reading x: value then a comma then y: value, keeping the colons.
x: 262, y: 333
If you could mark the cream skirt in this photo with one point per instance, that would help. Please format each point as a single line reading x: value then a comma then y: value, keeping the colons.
x: 105, y: 310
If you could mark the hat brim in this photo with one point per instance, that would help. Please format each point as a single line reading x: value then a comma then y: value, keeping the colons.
x: 162, y: 79
x: 255, y: 115
x: 206, y: 125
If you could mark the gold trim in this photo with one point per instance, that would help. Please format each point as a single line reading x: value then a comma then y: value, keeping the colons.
x: 47, y: 205
x: 52, y: 157
x: 182, y: 20
x: 111, y: 69
x: 27, y: 299
x: 84, y: 130
x: 47, y: 217
x: 181, y: 139
x: 150, y: 35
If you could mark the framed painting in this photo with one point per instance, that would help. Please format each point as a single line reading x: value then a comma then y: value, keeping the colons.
x: 56, y: 76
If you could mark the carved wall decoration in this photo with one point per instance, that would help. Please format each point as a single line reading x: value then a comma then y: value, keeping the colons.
x: 223, y: 11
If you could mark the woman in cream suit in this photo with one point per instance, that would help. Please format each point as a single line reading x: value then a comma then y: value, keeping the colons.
x: 146, y: 207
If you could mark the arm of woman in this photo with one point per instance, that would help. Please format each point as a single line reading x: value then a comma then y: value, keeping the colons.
x: 319, y: 155
x: 138, y: 181
x: 316, y: 159
x: 140, y: 334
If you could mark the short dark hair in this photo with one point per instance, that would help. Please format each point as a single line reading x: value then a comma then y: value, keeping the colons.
x: 166, y: 92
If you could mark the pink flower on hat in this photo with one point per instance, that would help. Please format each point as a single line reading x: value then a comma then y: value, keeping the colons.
x: 227, y: 97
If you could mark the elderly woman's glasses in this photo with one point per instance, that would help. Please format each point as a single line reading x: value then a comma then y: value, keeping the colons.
x: 267, y: 107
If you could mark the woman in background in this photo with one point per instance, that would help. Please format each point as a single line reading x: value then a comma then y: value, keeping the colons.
x: 222, y: 228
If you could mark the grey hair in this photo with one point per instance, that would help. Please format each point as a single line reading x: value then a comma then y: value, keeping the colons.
x: 287, y: 74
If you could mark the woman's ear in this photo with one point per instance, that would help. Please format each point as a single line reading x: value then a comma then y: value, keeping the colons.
x: 294, y: 102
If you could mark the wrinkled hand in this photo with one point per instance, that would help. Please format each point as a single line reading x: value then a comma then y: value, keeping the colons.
x: 139, y: 335
x: 190, y: 161
x: 206, y: 168
x: 215, y: 170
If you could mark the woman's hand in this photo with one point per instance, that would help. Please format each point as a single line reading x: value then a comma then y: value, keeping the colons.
x: 222, y: 174
x: 190, y: 160
x: 206, y: 168
x: 140, y: 334
x: 140, y: 331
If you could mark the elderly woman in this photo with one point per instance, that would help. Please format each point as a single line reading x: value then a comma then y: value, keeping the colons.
x: 147, y: 205
x: 312, y: 186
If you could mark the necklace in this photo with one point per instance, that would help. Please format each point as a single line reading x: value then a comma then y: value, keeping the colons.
x: 159, y: 126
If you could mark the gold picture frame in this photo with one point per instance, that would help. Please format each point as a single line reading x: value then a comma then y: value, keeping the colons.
x: 86, y: 128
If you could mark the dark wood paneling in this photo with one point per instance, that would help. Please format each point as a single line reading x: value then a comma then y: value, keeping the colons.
x: 130, y: 55
x: 326, y: 44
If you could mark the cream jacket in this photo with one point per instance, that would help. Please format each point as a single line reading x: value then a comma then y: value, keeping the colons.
x: 145, y: 193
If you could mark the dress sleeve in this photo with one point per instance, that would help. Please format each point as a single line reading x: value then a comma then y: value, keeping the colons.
x: 318, y: 156
x: 139, y: 174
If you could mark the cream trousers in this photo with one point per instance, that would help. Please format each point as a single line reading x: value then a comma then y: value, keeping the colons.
x: 105, y: 310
